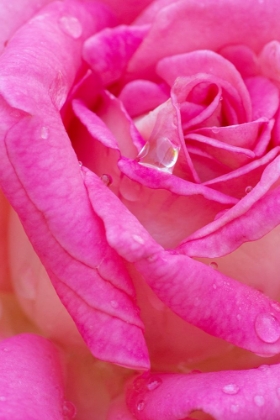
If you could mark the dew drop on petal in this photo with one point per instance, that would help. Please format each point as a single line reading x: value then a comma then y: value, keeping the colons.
x: 248, y: 189
x: 160, y: 154
x: 69, y: 410
x: 214, y: 286
x: 153, y: 383
x: 6, y: 349
x: 259, y: 400
x: 278, y: 392
x: 80, y: 163
x: 44, y: 133
x: 138, y: 239
x: 267, y: 328
x: 106, y: 179
x: 2, y: 398
x: 238, y: 316
x: 140, y: 405
x: 231, y: 389
x: 114, y: 303
x: 152, y: 258
x: 71, y: 26
x: 214, y: 265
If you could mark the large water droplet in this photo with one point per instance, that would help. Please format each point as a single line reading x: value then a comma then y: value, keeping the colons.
x: 160, y: 154
x: 267, y: 328
x: 153, y: 383
x: 106, y: 179
x: 140, y: 405
x: 69, y: 410
x: 44, y: 133
x: 259, y: 400
x: 231, y: 389
x: 71, y: 26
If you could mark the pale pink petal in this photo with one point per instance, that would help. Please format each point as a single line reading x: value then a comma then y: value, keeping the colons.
x: 42, y: 179
x: 192, y: 25
x: 31, y: 379
x: 250, y: 219
x: 227, y: 395
x: 116, y: 118
x: 109, y: 51
x: 240, y: 182
x: 14, y: 14
x: 192, y: 290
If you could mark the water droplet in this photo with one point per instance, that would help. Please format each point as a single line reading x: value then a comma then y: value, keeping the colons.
x: 259, y: 400
x: 214, y: 265
x: 231, y: 389
x: 80, y: 163
x: 216, y: 130
x: 238, y: 316
x: 2, y: 398
x: 153, y: 383
x: 107, y: 179
x: 234, y: 408
x: 276, y: 306
x: 138, y: 239
x: 267, y: 328
x: 278, y: 392
x: 140, y: 405
x: 152, y: 258
x: 69, y: 410
x: 160, y: 154
x: 214, y: 286
x: 264, y: 368
x: 248, y: 189
x: 114, y: 303
x: 71, y: 26
x: 6, y: 349
x: 44, y: 133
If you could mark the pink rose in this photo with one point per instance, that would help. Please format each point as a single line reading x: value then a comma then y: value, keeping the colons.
x: 140, y: 149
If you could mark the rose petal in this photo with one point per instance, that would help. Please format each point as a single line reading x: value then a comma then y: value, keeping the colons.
x: 254, y: 216
x: 149, y: 96
x: 171, y: 275
x: 243, y: 59
x: 181, y: 27
x: 14, y: 14
x: 264, y: 97
x: 210, y: 63
x: 240, y: 182
x: 30, y: 380
x: 109, y: 51
x: 226, y: 395
x: 42, y: 179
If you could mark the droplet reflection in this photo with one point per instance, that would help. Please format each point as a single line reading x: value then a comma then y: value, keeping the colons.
x: 160, y: 154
